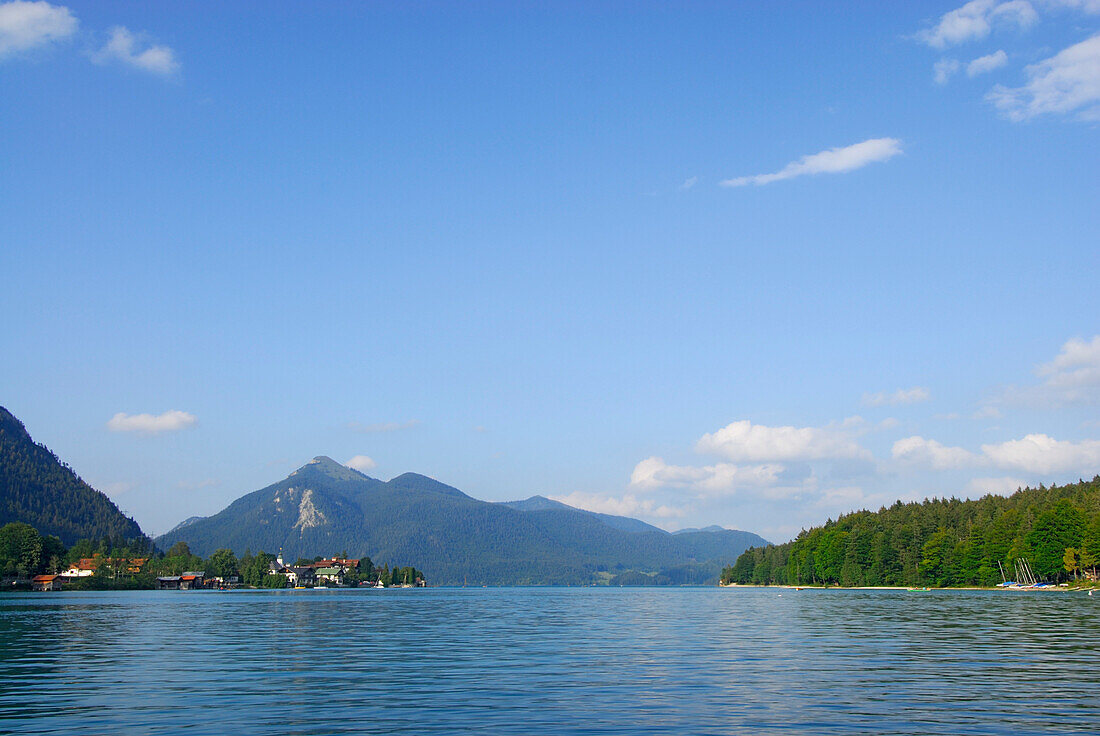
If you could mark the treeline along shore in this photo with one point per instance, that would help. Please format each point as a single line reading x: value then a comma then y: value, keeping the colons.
x: 31, y: 560
x: 941, y: 543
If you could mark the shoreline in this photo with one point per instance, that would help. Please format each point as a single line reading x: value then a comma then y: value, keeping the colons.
x: 1052, y: 588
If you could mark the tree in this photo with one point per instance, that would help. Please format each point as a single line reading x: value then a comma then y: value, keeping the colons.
x: 20, y: 550
x: 179, y: 549
x: 935, y: 562
x: 223, y: 564
x: 1054, y: 530
x: 254, y: 569
x: 1069, y: 561
x: 274, y: 581
x: 1086, y: 560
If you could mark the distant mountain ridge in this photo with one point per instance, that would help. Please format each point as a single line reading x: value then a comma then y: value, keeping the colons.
x: 186, y: 522
x: 38, y: 489
x: 711, y: 528
x: 324, y: 507
x: 542, y: 503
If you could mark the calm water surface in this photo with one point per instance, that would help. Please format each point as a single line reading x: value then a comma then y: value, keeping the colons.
x: 550, y: 661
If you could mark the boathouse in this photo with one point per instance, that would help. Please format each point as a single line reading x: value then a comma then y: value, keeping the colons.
x: 46, y: 582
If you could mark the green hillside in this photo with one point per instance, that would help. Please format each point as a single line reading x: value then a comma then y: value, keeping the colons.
x: 940, y: 542
x: 38, y: 489
x: 453, y: 538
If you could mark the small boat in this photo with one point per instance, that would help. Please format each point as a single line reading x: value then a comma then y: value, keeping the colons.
x: 919, y: 590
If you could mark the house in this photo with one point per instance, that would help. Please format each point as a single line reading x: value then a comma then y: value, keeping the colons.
x: 87, y: 566
x: 217, y: 581
x: 84, y: 568
x: 336, y: 562
x: 298, y: 576
x: 187, y: 581
x: 334, y: 575
x: 46, y: 582
x: 192, y: 580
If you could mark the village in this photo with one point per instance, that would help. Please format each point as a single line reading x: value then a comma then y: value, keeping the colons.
x: 333, y: 572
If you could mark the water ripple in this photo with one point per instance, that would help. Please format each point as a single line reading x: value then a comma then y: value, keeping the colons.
x: 549, y: 661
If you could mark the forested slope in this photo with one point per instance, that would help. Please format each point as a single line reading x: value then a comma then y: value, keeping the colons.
x: 941, y: 542
x: 38, y: 489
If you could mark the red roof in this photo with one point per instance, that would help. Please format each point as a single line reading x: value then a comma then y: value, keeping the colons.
x: 43, y: 578
x: 188, y: 577
x: 335, y: 562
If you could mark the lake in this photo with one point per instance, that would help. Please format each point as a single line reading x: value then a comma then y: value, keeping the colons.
x: 550, y: 661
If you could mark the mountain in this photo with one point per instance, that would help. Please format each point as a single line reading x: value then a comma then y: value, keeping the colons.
x: 542, y: 503
x: 189, y: 520
x: 711, y: 528
x: 38, y: 489
x: 324, y: 507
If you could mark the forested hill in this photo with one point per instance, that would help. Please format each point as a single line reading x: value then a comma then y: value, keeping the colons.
x: 38, y: 489
x: 940, y: 542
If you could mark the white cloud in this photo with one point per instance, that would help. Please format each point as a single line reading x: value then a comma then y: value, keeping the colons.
x: 919, y: 451
x: 382, y: 426
x: 362, y: 463
x: 1038, y: 453
x: 913, y: 395
x: 628, y: 505
x: 1072, y: 378
x: 1035, y: 453
x: 1068, y: 82
x: 944, y: 69
x: 744, y: 442
x: 690, y: 182
x: 985, y: 64
x: 653, y: 472
x: 1086, y: 6
x: 976, y: 19
x: 846, y: 498
x: 1075, y: 370
x: 169, y: 421
x: 999, y: 486
x: 26, y: 25
x: 123, y: 46
x: 831, y: 161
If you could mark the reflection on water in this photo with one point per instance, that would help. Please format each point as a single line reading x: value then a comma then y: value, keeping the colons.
x: 550, y: 661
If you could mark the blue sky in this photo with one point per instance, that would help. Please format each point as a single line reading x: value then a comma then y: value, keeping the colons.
x: 694, y: 263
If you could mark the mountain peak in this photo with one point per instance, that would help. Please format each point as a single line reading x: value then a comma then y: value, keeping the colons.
x: 536, y: 503
x: 325, y: 465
